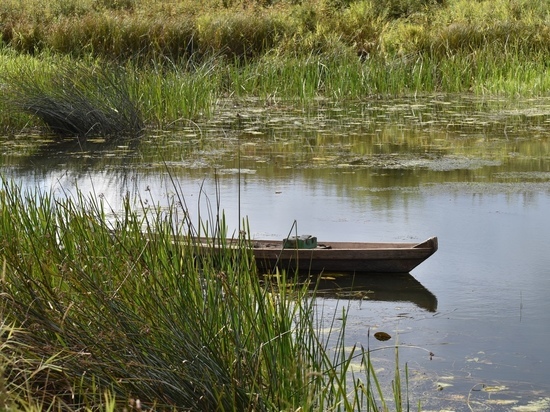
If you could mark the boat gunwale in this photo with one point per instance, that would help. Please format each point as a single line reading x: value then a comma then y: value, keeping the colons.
x: 326, y: 246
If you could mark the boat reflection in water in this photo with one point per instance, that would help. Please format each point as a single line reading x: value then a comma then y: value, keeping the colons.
x: 377, y: 287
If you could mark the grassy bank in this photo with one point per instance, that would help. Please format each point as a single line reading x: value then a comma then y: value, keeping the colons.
x: 176, y: 29
x: 170, y: 96
x: 181, y: 58
x: 103, y: 310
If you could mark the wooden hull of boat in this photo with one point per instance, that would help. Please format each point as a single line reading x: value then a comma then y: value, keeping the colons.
x: 344, y: 256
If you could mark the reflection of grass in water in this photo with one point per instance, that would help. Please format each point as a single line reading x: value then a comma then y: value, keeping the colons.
x: 97, y: 301
x: 274, y: 141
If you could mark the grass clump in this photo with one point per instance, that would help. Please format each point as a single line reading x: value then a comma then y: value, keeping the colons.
x: 108, y: 303
x: 244, y: 34
x: 77, y: 100
x: 91, y: 97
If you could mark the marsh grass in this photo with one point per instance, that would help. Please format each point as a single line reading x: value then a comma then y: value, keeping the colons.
x: 79, y: 100
x: 181, y: 58
x: 176, y: 30
x: 103, y: 307
x: 172, y: 93
x: 89, y: 97
x: 99, y: 98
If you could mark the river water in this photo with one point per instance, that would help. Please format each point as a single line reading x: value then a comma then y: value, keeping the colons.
x: 472, y: 322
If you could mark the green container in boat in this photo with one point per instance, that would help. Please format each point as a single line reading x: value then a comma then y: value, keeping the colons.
x: 300, y: 242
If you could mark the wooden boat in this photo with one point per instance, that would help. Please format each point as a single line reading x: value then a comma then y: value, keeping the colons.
x: 343, y: 256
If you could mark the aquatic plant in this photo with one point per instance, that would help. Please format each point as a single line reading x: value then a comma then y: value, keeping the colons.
x: 182, y: 57
x: 115, y: 306
x: 80, y: 100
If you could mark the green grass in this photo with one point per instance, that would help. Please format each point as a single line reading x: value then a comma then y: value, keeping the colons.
x: 182, y: 28
x: 180, y: 58
x: 102, y: 307
x: 90, y: 97
x: 77, y: 100
x: 167, y: 95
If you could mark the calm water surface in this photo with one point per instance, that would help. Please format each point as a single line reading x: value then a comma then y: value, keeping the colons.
x: 475, y: 173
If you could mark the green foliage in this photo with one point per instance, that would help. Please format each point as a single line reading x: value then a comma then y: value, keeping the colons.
x: 360, y: 23
x: 107, y: 307
x: 242, y: 34
x: 506, y: 27
x: 122, y: 29
x: 181, y: 56
x: 117, y: 38
x: 75, y: 101
x: 115, y: 4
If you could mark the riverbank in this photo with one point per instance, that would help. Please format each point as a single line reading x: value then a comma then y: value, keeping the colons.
x: 181, y: 29
x: 180, y: 58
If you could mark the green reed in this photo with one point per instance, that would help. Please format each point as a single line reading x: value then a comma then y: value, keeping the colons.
x: 179, y: 59
x: 90, y: 97
x: 148, y: 31
x: 176, y: 93
x: 103, y: 307
x: 77, y: 100
x: 172, y: 93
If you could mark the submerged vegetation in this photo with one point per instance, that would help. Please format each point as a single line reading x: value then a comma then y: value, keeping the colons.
x: 103, y: 309
x: 180, y: 57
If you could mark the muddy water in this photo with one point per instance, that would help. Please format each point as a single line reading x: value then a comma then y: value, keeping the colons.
x: 473, y: 321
